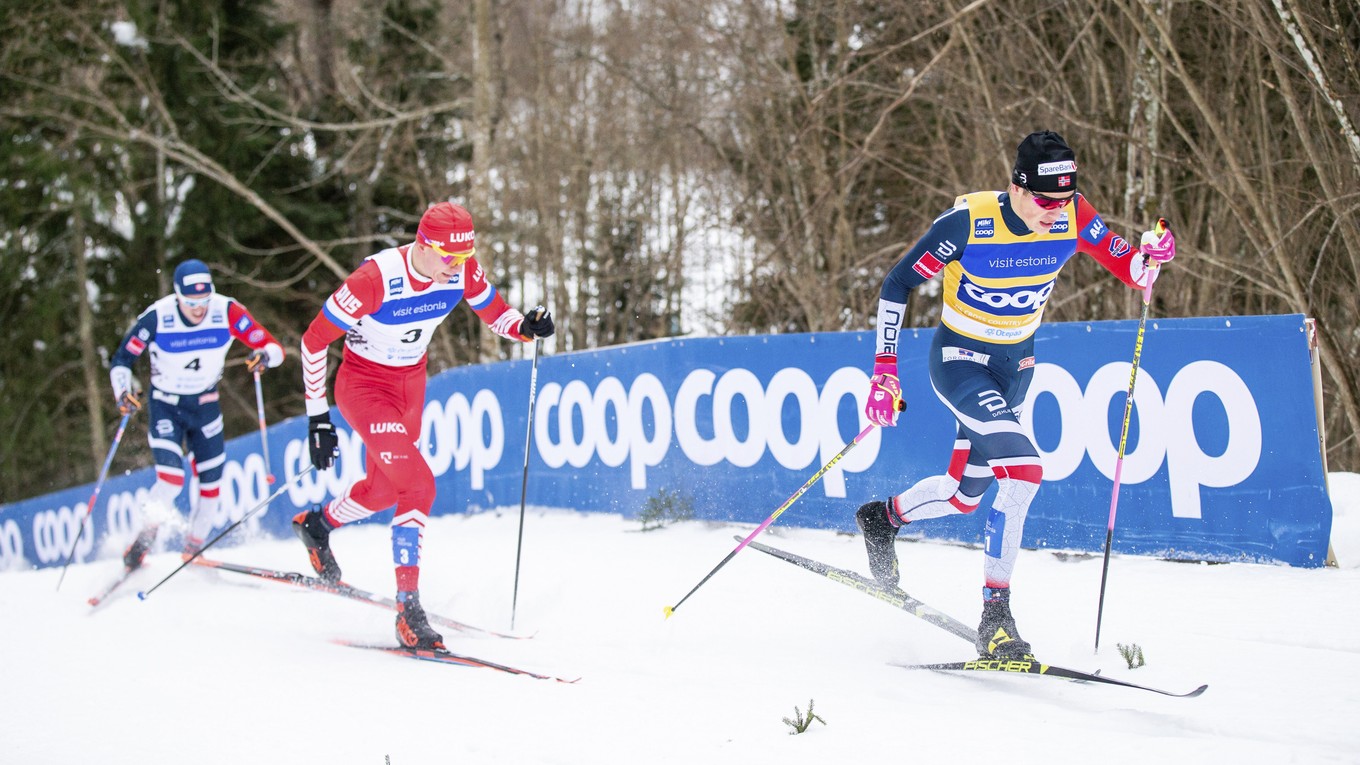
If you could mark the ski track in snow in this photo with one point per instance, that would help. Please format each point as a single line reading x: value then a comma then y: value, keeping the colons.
x: 216, y: 667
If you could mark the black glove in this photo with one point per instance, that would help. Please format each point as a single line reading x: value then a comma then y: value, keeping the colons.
x: 538, y: 323
x: 257, y: 361
x: 322, y: 442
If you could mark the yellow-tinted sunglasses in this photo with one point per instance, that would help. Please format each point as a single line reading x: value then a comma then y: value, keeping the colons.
x: 449, y: 258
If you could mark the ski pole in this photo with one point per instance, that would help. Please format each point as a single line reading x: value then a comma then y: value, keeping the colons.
x: 98, y: 485
x: 524, y: 484
x: 282, y: 488
x: 788, y: 502
x: 1123, y: 439
x: 264, y: 435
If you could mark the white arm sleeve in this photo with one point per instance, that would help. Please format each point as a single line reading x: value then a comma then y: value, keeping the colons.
x: 890, y: 318
x: 121, y: 379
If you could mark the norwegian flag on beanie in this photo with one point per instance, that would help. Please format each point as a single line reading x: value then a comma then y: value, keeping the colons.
x: 1045, y: 163
x: 193, y: 279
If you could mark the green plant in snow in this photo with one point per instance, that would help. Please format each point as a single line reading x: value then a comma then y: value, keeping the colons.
x: 1132, y: 653
x: 800, y: 722
x: 665, y: 508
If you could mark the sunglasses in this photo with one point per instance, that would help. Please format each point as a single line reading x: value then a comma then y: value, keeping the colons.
x: 1050, y: 203
x: 449, y: 258
x: 198, y: 302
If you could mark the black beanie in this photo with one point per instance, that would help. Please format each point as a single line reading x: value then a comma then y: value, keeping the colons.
x: 1045, y: 163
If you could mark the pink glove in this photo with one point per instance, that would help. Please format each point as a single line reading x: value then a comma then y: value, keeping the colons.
x: 885, y: 395
x: 1159, y: 244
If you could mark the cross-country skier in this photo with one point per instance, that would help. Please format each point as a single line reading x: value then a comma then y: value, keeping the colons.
x: 388, y: 310
x: 1000, y: 253
x: 188, y: 333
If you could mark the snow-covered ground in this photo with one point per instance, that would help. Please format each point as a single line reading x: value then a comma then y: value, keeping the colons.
x: 218, y: 668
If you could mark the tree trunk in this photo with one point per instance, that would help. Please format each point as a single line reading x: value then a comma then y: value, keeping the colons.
x: 479, y: 188
x: 89, y: 356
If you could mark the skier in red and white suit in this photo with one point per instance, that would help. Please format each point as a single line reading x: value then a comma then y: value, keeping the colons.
x: 387, y: 310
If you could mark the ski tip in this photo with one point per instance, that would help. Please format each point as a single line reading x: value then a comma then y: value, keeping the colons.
x: 669, y: 610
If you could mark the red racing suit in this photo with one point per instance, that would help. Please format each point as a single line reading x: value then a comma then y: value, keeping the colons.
x: 387, y: 313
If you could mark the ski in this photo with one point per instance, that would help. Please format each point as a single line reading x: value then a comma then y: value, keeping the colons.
x: 445, y: 656
x: 1035, y: 667
x: 342, y: 589
x: 893, y: 596
x: 104, y: 594
x: 896, y: 597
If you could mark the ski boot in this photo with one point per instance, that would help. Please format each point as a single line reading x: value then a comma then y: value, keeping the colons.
x: 136, y: 552
x: 315, y: 534
x: 998, y: 637
x: 413, y: 628
x: 880, y: 534
x: 191, y: 549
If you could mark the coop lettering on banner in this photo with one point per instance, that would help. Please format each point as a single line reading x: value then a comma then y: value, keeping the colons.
x: 1222, y: 460
x: 577, y: 425
x: 1166, y: 422
x: 464, y: 434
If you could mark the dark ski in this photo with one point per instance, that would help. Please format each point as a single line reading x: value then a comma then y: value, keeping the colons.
x: 1035, y: 667
x: 342, y: 589
x: 896, y: 597
x: 444, y: 656
x: 893, y: 596
x: 103, y: 596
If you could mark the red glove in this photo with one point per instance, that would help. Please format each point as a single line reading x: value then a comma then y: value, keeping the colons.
x: 885, y: 393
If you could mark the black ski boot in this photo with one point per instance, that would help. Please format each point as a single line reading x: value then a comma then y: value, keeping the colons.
x: 315, y: 534
x: 136, y: 552
x: 998, y: 637
x: 880, y: 535
x: 413, y: 628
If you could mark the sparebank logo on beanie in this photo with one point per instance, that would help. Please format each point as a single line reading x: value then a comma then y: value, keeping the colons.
x: 1045, y: 163
x: 1057, y: 168
x: 193, y: 279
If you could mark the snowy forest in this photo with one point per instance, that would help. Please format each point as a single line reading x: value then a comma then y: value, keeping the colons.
x: 646, y: 168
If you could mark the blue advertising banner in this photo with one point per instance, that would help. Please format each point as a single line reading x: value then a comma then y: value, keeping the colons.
x: 1222, y: 461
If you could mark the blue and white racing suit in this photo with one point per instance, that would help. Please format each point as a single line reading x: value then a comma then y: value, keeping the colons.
x: 997, y: 278
x: 187, y: 360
